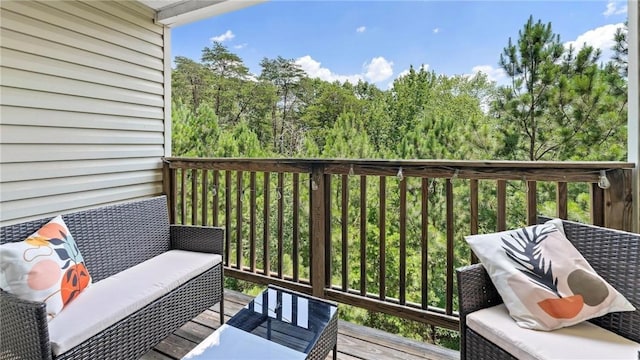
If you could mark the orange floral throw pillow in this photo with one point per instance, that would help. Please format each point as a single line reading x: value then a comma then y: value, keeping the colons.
x: 544, y: 281
x: 46, y: 267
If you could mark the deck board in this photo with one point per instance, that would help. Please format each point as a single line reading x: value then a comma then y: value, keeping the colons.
x: 355, y: 342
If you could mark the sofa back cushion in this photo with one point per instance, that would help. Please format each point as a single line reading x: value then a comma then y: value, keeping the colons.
x: 615, y: 256
x: 111, y: 238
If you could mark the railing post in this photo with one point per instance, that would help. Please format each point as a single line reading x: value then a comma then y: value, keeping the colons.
x: 618, y: 200
x: 501, y: 217
x: 532, y: 202
x: 561, y: 200
x: 168, y: 179
x: 317, y: 231
x: 327, y: 229
x: 597, y: 205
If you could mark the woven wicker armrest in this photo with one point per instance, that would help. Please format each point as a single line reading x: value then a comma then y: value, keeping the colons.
x: 24, y: 333
x: 197, y: 238
x: 475, y: 289
x: 475, y: 292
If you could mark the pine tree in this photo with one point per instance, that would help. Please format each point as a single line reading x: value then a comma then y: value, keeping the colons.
x: 621, y: 50
x: 348, y: 139
x: 531, y: 65
x: 559, y: 105
x: 229, y: 73
x: 194, y: 134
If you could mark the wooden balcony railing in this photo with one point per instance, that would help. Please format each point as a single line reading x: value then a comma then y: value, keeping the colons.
x: 309, y: 225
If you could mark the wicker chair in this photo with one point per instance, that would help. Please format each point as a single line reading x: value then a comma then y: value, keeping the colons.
x: 112, y: 239
x: 615, y: 255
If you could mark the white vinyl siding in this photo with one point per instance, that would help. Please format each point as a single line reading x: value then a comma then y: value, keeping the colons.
x: 82, y: 120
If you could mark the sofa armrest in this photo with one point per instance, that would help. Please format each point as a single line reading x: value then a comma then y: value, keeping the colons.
x: 197, y: 238
x: 24, y: 333
x: 475, y: 292
x: 475, y: 289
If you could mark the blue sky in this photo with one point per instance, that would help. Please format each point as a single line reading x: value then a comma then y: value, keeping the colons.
x: 378, y: 40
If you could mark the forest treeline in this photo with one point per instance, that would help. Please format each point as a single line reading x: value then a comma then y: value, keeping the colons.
x: 559, y: 103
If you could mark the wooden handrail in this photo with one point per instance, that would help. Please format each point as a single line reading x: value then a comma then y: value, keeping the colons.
x: 300, y: 237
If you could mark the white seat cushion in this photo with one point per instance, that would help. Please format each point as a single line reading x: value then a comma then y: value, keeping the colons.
x: 112, y: 299
x: 582, y: 341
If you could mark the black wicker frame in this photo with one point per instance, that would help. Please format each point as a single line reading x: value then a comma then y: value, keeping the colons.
x: 328, y: 339
x: 614, y: 255
x: 112, y: 239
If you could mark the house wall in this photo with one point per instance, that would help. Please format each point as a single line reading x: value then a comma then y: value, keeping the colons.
x: 82, y: 120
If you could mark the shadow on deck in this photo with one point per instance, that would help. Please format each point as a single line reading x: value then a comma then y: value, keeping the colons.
x: 354, y: 341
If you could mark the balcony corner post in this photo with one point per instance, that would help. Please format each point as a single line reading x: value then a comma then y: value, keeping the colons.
x: 618, y: 204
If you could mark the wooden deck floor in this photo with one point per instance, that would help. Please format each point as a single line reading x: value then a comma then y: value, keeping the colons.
x: 354, y: 341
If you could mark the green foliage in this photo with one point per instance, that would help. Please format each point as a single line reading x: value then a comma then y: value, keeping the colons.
x: 239, y: 141
x: 621, y: 50
x: 325, y: 102
x: 190, y: 82
x: 195, y: 133
x: 348, y: 139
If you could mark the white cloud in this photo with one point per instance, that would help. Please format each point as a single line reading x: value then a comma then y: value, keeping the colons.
x: 379, y: 69
x: 314, y: 69
x: 600, y: 38
x: 493, y: 74
x: 613, y: 9
x: 223, y: 37
x: 436, y: 30
x: 402, y: 73
x: 240, y: 46
x: 361, y: 29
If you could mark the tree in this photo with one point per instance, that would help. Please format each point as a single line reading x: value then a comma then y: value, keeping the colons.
x: 348, y: 139
x: 531, y: 66
x: 190, y: 82
x: 615, y: 75
x: 239, y: 141
x: 254, y: 104
x: 583, y: 109
x: 378, y: 122
x: 324, y: 103
x: 194, y: 134
x: 286, y: 76
x: 621, y: 50
x: 407, y: 101
x: 559, y: 104
x: 435, y: 115
x: 229, y: 73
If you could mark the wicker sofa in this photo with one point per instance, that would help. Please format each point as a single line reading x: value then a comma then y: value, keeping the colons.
x: 615, y: 255
x: 118, y: 239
